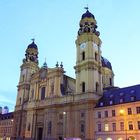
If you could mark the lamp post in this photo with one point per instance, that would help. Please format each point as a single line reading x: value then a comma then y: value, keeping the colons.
x: 64, y: 114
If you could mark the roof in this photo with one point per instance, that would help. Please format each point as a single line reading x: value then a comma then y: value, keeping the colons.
x: 106, y: 63
x: 32, y: 45
x: 87, y: 14
x: 6, y: 116
x: 120, y: 96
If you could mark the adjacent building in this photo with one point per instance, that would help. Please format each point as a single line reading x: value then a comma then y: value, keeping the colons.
x: 52, y: 105
x: 6, y: 126
x: 117, y: 114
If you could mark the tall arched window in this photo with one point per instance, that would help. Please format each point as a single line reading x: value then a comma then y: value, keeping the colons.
x: 83, y: 86
x: 97, y: 86
x: 109, y: 139
x: 42, y: 93
x: 110, y: 81
x: 96, y: 56
x: 83, y: 55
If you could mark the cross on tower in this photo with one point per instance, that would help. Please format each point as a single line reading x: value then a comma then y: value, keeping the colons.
x: 86, y: 7
x: 33, y: 39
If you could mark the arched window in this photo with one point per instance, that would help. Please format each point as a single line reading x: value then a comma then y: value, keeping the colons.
x: 82, y: 128
x: 120, y: 138
x: 42, y: 93
x: 110, y: 81
x: 29, y: 127
x: 131, y: 138
x: 49, y: 128
x: 83, y: 55
x: 96, y: 56
x: 99, y: 139
x: 83, y: 86
x: 32, y: 93
x: 97, y: 86
x: 108, y: 139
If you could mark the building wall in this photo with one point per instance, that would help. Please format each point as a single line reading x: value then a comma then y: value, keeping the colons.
x: 6, y: 125
x: 121, y: 115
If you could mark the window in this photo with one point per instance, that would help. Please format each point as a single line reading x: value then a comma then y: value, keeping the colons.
x: 111, y: 102
x: 110, y: 81
x: 138, y: 122
x: 83, y: 55
x: 97, y: 86
x: 130, y: 125
x: 138, y: 110
x: 99, y: 115
x: 60, y: 116
x: 42, y: 93
x: 129, y: 111
x: 99, y: 139
x: 106, y: 127
x: 121, y: 94
x: 82, y: 115
x: 108, y: 139
x: 83, y: 86
x: 101, y: 103
x: 113, y: 113
x: 120, y: 138
x: 114, y: 126
x: 106, y: 114
x: 121, y: 100
x: 122, y: 126
x: 82, y: 128
x: 32, y: 94
x: 99, y: 127
x: 49, y: 128
x: 132, y: 98
x: 96, y: 56
x: 29, y: 127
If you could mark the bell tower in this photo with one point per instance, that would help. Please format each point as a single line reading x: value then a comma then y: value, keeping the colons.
x: 88, y: 62
x: 28, y: 67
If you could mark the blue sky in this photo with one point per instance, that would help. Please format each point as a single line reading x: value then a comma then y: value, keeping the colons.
x: 54, y: 25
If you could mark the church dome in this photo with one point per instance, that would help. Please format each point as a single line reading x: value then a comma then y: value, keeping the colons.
x: 88, y: 15
x: 32, y: 45
x: 106, y: 63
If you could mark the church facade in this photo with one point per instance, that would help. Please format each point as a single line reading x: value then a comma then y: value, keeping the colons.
x: 52, y: 105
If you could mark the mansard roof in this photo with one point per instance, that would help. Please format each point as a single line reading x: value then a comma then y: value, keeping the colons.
x: 6, y: 116
x: 115, y: 96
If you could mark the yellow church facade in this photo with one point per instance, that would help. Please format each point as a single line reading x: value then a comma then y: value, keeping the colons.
x: 51, y: 105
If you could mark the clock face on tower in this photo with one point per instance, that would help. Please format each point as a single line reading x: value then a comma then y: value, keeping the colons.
x: 83, y: 45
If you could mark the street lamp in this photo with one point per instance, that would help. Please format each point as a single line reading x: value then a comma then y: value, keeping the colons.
x: 64, y: 113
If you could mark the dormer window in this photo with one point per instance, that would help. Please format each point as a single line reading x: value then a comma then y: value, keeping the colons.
x: 111, y: 102
x: 121, y: 100
x: 101, y: 103
x: 132, y: 91
x: 121, y: 94
x: 111, y: 96
x: 132, y: 98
